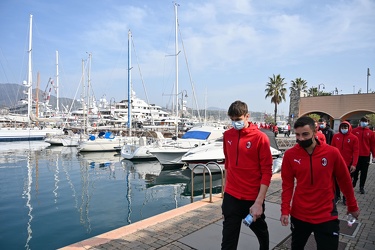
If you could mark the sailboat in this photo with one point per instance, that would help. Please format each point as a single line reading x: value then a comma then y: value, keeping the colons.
x: 27, y: 131
x: 169, y: 155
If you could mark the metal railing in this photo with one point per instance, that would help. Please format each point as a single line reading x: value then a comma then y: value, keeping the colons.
x: 285, y: 143
x: 204, y: 168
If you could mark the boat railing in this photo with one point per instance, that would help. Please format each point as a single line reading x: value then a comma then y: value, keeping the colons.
x: 206, y: 168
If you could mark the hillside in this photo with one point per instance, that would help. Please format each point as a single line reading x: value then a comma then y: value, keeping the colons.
x: 11, y: 93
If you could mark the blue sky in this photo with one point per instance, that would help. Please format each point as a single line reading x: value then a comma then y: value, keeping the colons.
x: 232, y: 47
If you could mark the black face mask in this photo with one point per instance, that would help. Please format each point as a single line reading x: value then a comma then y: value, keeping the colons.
x: 306, y: 143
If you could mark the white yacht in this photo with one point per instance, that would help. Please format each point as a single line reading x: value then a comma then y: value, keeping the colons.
x: 140, y: 149
x: 141, y: 111
x: 212, y: 155
x: 169, y: 154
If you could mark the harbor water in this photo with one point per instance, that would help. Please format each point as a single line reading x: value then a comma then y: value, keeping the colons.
x: 54, y: 196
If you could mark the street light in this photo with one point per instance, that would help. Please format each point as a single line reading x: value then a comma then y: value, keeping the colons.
x: 319, y: 87
x: 182, y: 101
x: 110, y: 104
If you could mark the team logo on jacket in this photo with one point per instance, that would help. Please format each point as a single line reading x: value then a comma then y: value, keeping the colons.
x: 248, y: 144
x: 324, y: 162
x: 348, y: 140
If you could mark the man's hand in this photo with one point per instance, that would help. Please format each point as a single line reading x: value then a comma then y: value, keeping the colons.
x: 256, y: 211
x: 352, y: 169
x: 355, y: 214
x: 284, y: 220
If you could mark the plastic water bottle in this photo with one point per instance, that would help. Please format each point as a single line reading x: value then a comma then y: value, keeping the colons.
x: 248, y: 220
x: 350, y: 219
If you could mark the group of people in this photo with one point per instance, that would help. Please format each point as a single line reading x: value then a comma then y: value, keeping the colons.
x: 311, y: 173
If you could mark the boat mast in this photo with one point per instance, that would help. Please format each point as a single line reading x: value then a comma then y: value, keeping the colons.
x: 29, y: 75
x: 129, y: 85
x: 88, y: 89
x: 57, y: 81
x: 83, y: 97
x: 176, y: 62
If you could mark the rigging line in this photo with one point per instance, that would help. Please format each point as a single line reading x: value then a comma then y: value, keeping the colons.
x: 143, y: 84
x: 74, y: 98
x: 191, y: 80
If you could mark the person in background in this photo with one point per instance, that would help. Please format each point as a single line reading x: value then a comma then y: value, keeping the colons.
x: 307, y: 174
x: 347, y: 144
x: 366, y: 140
x: 275, y: 130
x: 318, y: 133
x: 248, y: 168
x: 326, y: 130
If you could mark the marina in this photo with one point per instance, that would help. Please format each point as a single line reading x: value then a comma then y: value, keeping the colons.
x: 55, y: 196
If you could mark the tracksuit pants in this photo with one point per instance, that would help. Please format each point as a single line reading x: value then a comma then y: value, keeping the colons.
x: 326, y: 234
x: 362, y: 166
x: 234, y: 211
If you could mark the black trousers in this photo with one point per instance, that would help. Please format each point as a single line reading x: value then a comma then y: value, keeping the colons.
x: 326, y: 234
x: 234, y: 211
x: 337, y: 188
x: 362, y: 166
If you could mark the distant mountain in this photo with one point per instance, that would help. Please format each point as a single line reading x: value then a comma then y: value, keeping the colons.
x: 11, y: 93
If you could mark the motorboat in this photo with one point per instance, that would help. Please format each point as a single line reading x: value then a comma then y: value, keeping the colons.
x: 140, y: 149
x: 212, y: 155
x: 102, y: 142
x: 170, y: 153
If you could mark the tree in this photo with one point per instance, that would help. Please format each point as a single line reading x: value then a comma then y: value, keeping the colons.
x: 276, y: 90
x: 313, y: 91
x: 314, y: 116
x: 298, y: 85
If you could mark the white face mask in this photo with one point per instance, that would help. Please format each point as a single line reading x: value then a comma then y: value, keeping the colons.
x: 238, y: 125
x: 344, y: 131
x: 364, y: 124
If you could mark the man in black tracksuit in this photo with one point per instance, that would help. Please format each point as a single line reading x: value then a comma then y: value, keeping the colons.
x: 326, y: 130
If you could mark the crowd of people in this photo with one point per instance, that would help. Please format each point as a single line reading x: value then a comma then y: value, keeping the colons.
x: 314, y: 172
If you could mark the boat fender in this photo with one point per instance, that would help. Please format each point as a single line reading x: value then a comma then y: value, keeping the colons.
x: 92, y: 138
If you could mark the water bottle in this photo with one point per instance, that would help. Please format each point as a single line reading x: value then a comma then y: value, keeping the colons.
x: 248, y: 220
x: 350, y: 219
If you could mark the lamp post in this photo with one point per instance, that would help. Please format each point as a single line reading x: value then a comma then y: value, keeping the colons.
x: 319, y: 87
x: 182, y: 101
x: 110, y: 104
x: 368, y: 76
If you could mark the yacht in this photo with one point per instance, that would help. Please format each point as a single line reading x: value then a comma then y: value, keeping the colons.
x: 212, y: 155
x: 170, y: 153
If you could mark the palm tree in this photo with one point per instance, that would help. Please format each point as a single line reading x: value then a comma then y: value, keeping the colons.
x: 276, y: 90
x: 298, y: 85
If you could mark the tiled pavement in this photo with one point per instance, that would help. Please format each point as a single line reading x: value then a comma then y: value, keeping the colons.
x: 198, y: 226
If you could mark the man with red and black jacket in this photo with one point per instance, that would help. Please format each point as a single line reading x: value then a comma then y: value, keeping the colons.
x: 308, y: 172
x: 248, y: 171
x: 347, y: 144
x: 366, y: 140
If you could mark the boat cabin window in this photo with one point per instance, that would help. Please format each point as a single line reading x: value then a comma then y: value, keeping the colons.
x: 200, y: 135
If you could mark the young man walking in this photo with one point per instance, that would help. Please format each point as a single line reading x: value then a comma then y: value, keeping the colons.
x: 347, y: 144
x: 366, y: 146
x: 308, y: 171
x: 248, y: 171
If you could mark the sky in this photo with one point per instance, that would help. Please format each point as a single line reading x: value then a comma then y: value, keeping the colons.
x: 228, y: 49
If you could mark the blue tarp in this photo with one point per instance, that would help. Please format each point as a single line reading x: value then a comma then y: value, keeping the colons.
x: 200, y: 135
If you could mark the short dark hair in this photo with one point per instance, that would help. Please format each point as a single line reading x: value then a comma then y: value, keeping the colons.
x: 364, y: 119
x: 322, y: 120
x: 303, y: 121
x: 237, y: 109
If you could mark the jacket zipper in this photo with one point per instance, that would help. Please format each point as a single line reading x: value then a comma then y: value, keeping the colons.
x: 311, y: 167
x: 311, y: 171
x: 238, y: 145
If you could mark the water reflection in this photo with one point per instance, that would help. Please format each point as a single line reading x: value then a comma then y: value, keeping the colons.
x: 83, y: 194
x: 27, y: 195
